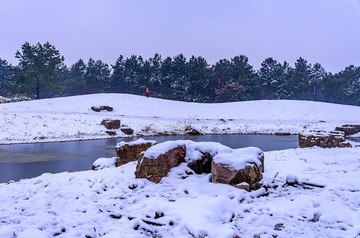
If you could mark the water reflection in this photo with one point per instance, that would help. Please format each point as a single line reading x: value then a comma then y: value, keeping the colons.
x: 30, y: 160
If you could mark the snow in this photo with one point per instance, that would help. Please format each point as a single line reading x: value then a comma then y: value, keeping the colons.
x: 195, y: 150
x: 70, y: 118
x: 102, y: 163
x: 111, y: 202
x: 135, y: 142
x: 239, y: 158
x: 154, y: 151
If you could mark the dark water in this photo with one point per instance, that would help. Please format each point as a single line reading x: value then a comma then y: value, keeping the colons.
x: 31, y: 160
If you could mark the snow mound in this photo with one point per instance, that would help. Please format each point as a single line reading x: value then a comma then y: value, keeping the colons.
x: 239, y: 158
x: 195, y: 150
x: 102, y: 163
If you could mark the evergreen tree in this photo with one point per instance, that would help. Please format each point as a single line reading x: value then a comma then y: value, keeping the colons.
x: 39, y: 69
x: 180, y: 83
x: 166, y: 78
x: 155, y: 83
x: 271, y: 78
x: 242, y: 77
x: 75, y: 83
x: 97, y: 76
x: 300, y: 80
x: 117, y: 78
x: 199, y: 78
x: 6, y: 78
x: 317, y: 77
x: 132, y: 74
x: 343, y: 87
x: 221, y: 76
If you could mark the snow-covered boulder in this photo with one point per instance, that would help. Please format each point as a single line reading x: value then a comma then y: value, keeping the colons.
x: 241, y: 168
x: 102, y: 163
x: 102, y: 108
x: 157, y: 161
x: 130, y: 151
x: 199, y: 155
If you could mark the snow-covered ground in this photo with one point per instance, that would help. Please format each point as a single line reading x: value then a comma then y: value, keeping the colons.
x: 111, y: 203
x: 70, y: 118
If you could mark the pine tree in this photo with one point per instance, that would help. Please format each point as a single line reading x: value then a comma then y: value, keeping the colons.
x: 117, y: 77
x: 6, y: 78
x: 75, y: 83
x: 97, y: 76
x: 199, y: 78
x: 39, y: 69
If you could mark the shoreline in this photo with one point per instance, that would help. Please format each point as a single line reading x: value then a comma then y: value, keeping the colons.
x: 141, y: 136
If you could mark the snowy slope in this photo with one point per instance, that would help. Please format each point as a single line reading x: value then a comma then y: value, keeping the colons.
x: 111, y: 203
x: 70, y: 118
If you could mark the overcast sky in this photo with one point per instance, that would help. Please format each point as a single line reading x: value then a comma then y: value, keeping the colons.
x: 324, y: 31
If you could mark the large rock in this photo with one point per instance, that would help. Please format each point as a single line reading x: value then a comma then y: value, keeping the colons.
x: 241, y: 168
x: 333, y: 139
x: 155, y: 164
x: 111, y: 133
x: 199, y: 155
x: 110, y: 124
x: 349, y: 129
x: 101, y: 108
x: 127, y: 130
x: 202, y: 165
x: 130, y: 151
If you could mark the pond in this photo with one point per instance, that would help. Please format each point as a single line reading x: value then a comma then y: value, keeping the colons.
x: 30, y: 160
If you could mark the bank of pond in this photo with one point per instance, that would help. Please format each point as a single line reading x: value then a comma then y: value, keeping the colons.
x: 21, y: 161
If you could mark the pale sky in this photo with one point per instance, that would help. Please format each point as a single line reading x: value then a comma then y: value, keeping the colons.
x: 324, y: 31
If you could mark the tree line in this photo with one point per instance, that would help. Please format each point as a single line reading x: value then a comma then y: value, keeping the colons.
x: 41, y: 73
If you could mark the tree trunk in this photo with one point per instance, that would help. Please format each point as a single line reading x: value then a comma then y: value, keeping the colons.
x: 38, y: 91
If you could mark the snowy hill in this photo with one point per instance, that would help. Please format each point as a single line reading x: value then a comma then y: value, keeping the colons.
x: 70, y: 118
x: 112, y: 203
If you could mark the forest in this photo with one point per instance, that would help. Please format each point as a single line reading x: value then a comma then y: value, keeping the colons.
x: 42, y: 73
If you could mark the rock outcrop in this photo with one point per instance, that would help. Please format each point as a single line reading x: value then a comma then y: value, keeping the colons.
x: 110, y: 124
x: 102, y: 108
x: 333, y: 139
x: 130, y: 151
x: 155, y: 168
x: 242, y: 168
